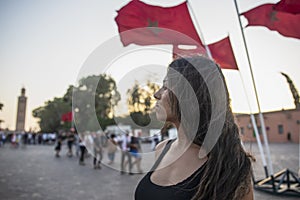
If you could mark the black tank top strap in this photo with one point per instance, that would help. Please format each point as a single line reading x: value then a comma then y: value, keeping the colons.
x: 161, y: 156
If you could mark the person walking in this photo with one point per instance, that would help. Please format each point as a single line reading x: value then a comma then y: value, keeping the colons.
x: 70, y: 141
x: 135, y: 151
x: 58, y: 145
x: 97, y: 146
x: 125, y: 154
x: 111, y: 148
x: 82, y: 149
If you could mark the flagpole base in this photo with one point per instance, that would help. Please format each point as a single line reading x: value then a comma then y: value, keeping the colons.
x: 284, y: 182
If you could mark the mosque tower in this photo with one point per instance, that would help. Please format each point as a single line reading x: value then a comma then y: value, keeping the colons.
x: 21, y: 113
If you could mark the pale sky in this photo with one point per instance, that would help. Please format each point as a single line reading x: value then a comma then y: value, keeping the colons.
x: 44, y: 45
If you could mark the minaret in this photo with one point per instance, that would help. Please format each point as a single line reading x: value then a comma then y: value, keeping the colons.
x: 21, y: 113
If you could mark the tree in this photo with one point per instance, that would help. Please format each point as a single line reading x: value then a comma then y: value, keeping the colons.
x: 140, y: 99
x: 50, y: 115
x: 141, y: 102
x: 95, y: 94
x: 104, y: 95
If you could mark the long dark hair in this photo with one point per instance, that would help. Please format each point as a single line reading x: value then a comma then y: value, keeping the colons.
x: 228, y: 168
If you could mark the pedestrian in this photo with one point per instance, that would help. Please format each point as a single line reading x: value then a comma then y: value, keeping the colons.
x: 135, y: 151
x: 125, y: 154
x: 40, y: 138
x: 70, y: 141
x: 3, y: 138
x: 34, y: 138
x: 97, y: 147
x: 19, y: 139
x: 29, y: 138
x: 111, y: 148
x: 58, y: 145
x: 24, y: 139
x: 14, y: 140
x: 206, y: 160
x: 45, y: 138
x: 155, y: 141
x: 82, y: 149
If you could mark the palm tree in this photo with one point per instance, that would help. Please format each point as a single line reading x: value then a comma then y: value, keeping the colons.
x: 293, y: 90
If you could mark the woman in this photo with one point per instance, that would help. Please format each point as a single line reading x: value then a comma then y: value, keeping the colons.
x: 135, y: 151
x: 207, y: 160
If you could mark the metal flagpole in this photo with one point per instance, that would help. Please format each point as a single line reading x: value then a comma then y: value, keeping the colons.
x: 255, y: 130
x: 199, y: 30
x: 263, y: 128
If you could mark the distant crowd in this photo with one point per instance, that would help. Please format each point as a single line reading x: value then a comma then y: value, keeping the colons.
x: 16, y: 139
x: 101, y: 142
x: 87, y: 144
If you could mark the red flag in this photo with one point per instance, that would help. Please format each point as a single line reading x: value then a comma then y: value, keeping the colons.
x: 67, y: 117
x: 289, y: 6
x: 222, y: 53
x: 286, y: 24
x: 148, y: 24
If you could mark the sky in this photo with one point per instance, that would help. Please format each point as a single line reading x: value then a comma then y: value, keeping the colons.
x: 45, y: 44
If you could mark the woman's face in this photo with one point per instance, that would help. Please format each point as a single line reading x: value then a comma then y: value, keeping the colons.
x: 163, y: 106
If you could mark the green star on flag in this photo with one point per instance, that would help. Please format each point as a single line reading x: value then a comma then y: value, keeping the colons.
x: 273, y: 16
x: 154, y: 26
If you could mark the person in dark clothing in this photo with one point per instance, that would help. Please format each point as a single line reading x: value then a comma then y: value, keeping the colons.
x: 70, y: 141
x: 58, y: 145
x: 82, y: 149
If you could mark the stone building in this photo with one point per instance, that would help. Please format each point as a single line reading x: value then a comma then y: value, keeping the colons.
x: 21, y: 112
x: 281, y: 126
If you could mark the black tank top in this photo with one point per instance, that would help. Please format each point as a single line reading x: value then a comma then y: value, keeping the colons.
x: 184, y: 190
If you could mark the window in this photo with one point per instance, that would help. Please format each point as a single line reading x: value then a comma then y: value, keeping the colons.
x: 280, y: 129
x: 242, y: 130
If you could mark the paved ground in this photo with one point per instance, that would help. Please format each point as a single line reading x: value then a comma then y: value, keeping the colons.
x: 34, y: 173
x: 282, y: 156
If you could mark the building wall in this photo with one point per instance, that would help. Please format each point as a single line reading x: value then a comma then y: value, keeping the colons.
x: 281, y: 126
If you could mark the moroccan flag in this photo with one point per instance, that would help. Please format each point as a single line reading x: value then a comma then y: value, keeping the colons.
x: 148, y: 24
x: 289, y: 6
x: 67, y: 117
x: 222, y: 53
x: 286, y: 24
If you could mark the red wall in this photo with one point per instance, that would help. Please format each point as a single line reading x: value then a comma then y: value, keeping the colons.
x: 289, y: 119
